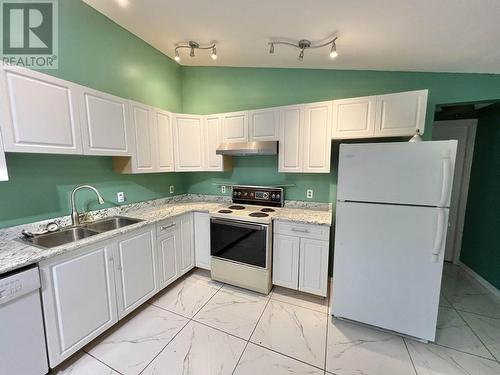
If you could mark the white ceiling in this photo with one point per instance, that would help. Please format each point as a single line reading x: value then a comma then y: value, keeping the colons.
x: 408, y: 35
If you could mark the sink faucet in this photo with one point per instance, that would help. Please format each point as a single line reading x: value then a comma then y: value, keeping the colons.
x: 75, y: 218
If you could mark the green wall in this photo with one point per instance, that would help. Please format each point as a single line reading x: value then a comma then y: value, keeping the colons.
x: 481, y: 240
x: 95, y: 52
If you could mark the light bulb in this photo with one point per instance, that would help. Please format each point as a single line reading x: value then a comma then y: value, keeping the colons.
x: 177, y: 57
x: 271, y: 48
x: 301, y: 55
x: 213, y: 55
x: 333, y: 51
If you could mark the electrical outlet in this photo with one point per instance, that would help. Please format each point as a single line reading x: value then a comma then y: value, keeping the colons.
x: 120, y: 197
x: 223, y: 189
x: 172, y: 189
x: 309, y: 193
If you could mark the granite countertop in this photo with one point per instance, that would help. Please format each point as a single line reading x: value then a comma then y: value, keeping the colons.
x: 15, y: 254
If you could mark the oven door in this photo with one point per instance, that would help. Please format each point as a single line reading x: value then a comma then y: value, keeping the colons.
x: 239, y: 242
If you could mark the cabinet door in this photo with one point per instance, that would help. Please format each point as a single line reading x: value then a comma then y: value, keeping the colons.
x: 135, y: 270
x: 286, y: 261
x: 291, y: 145
x: 169, y: 244
x: 317, y: 137
x: 213, y: 136
x: 401, y: 114
x: 164, y: 141
x: 189, y: 143
x: 105, y: 124
x: 78, y: 295
x: 145, y: 146
x: 354, y: 117
x: 264, y: 124
x: 235, y: 127
x: 186, y: 252
x: 39, y: 113
x: 4, y: 176
x: 313, y: 270
x: 202, y: 239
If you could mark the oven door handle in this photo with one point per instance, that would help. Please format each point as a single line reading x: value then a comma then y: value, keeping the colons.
x: 239, y: 224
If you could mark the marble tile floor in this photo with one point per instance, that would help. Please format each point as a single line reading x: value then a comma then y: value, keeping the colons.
x: 197, y: 326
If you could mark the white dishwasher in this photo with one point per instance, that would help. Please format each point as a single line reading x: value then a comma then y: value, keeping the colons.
x: 22, y: 338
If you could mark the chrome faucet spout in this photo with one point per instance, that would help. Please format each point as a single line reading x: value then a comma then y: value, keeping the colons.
x: 75, y: 218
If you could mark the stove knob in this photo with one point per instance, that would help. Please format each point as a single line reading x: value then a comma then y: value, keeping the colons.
x: 245, y: 194
x: 273, y: 196
x: 277, y: 196
x: 239, y: 193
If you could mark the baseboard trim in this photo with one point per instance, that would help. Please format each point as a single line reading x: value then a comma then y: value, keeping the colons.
x: 479, y: 279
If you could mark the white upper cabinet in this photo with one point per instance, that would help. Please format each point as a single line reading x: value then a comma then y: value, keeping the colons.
x: 264, y: 124
x: 162, y: 122
x: 317, y: 137
x: 105, y: 124
x: 291, y: 145
x: 39, y: 113
x: 145, y: 145
x: 354, y: 118
x: 213, y: 136
x: 235, y: 127
x: 401, y: 114
x: 4, y: 176
x: 189, y: 143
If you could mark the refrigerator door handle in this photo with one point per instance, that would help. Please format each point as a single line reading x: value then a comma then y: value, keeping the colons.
x: 445, y: 185
x: 438, y: 239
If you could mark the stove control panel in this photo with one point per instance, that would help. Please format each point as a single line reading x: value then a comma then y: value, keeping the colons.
x: 265, y: 196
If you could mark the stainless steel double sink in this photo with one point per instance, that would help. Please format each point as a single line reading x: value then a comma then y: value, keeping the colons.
x: 76, y: 233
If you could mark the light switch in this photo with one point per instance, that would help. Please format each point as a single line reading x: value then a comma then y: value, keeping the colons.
x: 120, y: 197
x: 172, y: 189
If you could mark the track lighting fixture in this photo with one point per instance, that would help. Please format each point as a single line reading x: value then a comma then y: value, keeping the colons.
x: 192, y: 46
x: 304, y: 44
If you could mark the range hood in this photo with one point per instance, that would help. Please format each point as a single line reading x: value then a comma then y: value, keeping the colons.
x: 248, y: 148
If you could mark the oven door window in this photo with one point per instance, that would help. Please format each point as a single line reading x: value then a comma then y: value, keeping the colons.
x: 239, y: 242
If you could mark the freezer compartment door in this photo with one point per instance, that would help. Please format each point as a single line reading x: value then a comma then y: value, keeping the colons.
x: 419, y: 173
x: 388, y: 262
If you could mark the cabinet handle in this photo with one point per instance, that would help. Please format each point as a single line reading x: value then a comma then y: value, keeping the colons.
x: 165, y: 227
x: 300, y: 230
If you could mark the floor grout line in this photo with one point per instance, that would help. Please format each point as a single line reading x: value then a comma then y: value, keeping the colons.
x: 409, y: 355
x: 326, y: 342
x: 104, y: 363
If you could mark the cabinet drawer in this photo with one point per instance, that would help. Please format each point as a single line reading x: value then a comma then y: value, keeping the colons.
x: 318, y: 232
x: 166, y: 226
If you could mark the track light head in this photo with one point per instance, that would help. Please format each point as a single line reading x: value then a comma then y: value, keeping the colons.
x: 333, y: 51
x: 177, y: 57
x: 213, y: 55
x: 301, y: 55
x: 271, y: 48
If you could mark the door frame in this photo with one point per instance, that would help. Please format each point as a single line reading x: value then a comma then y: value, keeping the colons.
x: 471, y: 126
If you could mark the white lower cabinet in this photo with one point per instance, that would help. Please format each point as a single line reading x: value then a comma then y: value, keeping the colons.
x: 186, y: 251
x: 136, y: 274
x: 4, y: 176
x: 87, y: 291
x: 300, y: 257
x: 79, y: 302
x: 202, y: 240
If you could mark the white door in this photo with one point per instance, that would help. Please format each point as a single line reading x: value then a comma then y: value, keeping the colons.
x: 189, y: 143
x: 264, y: 124
x: 4, y: 176
x: 39, y: 113
x: 105, y: 124
x: 202, y: 239
x: 291, y: 138
x: 388, y: 264
x: 464, y: 132
x: 419, y: 173
x: 186, y: 252
x: 286, y: 261
x: 213, y: 136
x: 135, y: 263
x: 354, y: 117
x: 164, y: 141
x: 78, y: 295
x: 313, y: 269
x: 144, y: 160
x: 169, y: 244
x: 401, y: 114
x: 317, y: 137
x: 235, y: 127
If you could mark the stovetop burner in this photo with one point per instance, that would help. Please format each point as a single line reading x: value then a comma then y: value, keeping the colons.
x: 267, y: 210
x: 236, y: 207
x: 224, y: 211
x: 258, y: 214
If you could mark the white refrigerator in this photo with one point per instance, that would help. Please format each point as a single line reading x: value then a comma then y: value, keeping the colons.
x: 390, y: 232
